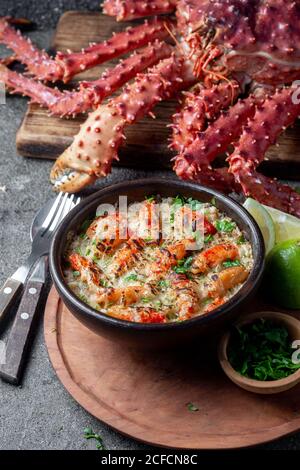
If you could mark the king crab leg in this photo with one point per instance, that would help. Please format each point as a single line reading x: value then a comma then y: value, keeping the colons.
x: 132, y: 9
x: 216, y: 139
x: 90, y: 94
x: 35, y: 59
x: 200, y: 105
x: 215, y: 178
x: 67, y: 65
x: 271, y: 118
x: 96, y: 145
x: 194, y: 162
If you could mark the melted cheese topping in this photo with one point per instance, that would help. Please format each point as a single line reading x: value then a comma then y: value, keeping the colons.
x: 144, y: 271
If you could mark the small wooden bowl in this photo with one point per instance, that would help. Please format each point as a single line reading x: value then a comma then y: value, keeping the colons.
x: 257, y: 386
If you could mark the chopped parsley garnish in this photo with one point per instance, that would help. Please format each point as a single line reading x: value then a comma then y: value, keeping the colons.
x: 89, y: 434
x: 145, y: 300
x: 163, y: 283
x: 192, y: 407
x: 225, y: 226
x: 103, y: 282
x: 150, y: 198
x: 83, y: 298
x: 178, y: 201
x: 181, y: 201
x: 241, y: 240
x: 198, y: 236
x: 208, y: 238
x: 183, y: 265
x: 231, y: 264
x: 84, y: 228
x: 88, y: 252
x: 262, y: 351
x: 131, y: 277
x: 194, y: 204
x: 76, y: 273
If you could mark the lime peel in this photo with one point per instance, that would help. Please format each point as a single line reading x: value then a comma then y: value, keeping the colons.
x: 264, y: 221
x: 282, y: 275
x: 287, y: 226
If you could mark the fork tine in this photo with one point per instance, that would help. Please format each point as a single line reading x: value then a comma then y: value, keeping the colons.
x: 60, y: 208
x: 68, y: 206
x: 58, y: 217
x: 52, y: 212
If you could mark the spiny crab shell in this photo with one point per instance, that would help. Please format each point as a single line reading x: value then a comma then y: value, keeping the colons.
x: 240, y: 57
x: 257, y: 37
x: 259, y: 40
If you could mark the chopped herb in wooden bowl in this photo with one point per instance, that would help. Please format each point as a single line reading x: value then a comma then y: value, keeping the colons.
x: 262, y: 350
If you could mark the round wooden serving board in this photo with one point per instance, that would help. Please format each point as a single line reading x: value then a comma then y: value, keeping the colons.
x: 145, y: 395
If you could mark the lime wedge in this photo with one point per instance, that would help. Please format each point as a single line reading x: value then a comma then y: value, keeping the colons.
x: 264, y: 221
x: 282, y: 275
x: 287, y: 226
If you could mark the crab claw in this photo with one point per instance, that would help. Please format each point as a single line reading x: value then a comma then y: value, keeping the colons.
x: 91, y: 154
x: 96, y: 146
x: 66, y: 179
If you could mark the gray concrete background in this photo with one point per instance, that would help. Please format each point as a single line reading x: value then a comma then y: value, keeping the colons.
x: 41, y: 414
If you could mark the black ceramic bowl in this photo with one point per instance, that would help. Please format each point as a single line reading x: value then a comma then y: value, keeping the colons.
x: 156, y: 335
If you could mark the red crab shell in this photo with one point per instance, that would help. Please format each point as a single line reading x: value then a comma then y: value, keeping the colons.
x: 258, y: 37
x: 221, y: 45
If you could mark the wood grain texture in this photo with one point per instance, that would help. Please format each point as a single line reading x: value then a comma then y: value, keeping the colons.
x: 21, y: 333
x: 42, y: 136
x: 145, y: 396
x: 8, y: 294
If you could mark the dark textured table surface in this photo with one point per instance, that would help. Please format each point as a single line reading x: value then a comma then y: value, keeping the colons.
x: 41, y: 414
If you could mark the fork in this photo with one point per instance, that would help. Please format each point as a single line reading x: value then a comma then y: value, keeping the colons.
x: 22, y: 329
x: 40, y: 246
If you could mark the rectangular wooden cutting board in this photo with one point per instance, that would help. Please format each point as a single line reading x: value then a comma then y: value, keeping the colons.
x: 44, y: 136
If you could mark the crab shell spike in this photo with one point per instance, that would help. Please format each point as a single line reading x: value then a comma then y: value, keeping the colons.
x: 279, y: 111
x: 66, y: 65
x: 38, y: 92
x: 217, y: 178
x: 264, y: 189
x: 91, y: 93
x: 116, y: 46
x: 115, y: 116
x: 38, y: 62
x: 200, y: 105
x: 127, y: 69
x: 216, y: 139
x: 133, y: 9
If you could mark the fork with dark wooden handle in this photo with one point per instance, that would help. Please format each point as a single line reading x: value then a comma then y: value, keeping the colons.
x: 23, y: 327
x: 14, y: 285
